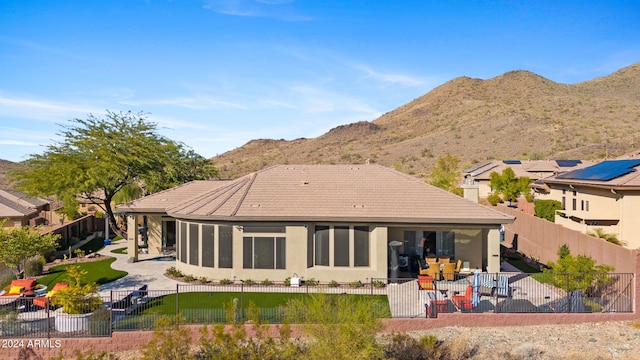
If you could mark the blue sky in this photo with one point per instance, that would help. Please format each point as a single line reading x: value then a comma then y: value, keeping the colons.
x: 216, y: 74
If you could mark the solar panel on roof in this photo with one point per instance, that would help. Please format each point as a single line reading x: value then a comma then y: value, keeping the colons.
x: 512, y: 162
x: 474, y: 168
x: 603, y: 171
x: 568, y: 163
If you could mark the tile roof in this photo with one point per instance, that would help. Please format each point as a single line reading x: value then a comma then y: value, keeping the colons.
x: 16, y: 204
x: 370, y: 193
x: 158, y: 202
x: 534, y: 169
x: 628, y: 180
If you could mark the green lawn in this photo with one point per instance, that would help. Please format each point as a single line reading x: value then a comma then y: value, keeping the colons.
x: 208, y: 307
x: 99, y: 271
x: 122, y: 250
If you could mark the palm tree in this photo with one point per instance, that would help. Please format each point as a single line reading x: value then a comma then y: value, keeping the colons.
x: 599, y: 233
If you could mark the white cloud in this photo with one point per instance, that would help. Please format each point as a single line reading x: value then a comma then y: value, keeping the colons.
x: 42, y: 109
x: 275, y: 9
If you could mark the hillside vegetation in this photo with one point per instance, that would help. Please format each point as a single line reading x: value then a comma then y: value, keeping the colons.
x: 517, y: 115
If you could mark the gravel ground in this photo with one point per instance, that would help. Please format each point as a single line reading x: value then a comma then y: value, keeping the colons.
x: 605, y: 340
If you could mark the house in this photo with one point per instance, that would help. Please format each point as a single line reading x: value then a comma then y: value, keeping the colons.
x: 605, y: 195
x: 533, y: 169
x: 21, y: 210
x: 327, y: 222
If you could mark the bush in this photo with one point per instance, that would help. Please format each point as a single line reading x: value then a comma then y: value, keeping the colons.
x: 378, y: 284
x: 266, y: 282
x: 571, y: 273
x: 401, y: 346
x: 172, y: 271
x: 311, y: 282
x: 494, y: 199
x: 249, y: 282
x: 100, y: 322
x: 5, y: 280
x: 287, y: 281
x: 226, y: 282
x: 189, y: 278
x: 546, y: 209
x: 203, y: 280
x: 34, y: 267
x: 333, y: 283
x: 356, y: 284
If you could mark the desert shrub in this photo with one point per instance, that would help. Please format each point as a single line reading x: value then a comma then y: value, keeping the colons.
x: 287, y: 281
x: 203, y: 280
x: 356, y: 284
x: 494, y: 199
x: 581, y: 273
x: 530, y: 197
x: 34, y: 267
x: 339, y: 327
x: 249, y: 282
x: 429, y: 341
x: 170, y: 341
x: 401, y: 346
x: 378, y: 284
x: 99, y: 322
x: 546, y: 209
x: 266, y: 282
x: 172, y: 271
x: 311, y: 282
x: 333, y: 283
x: 226, y: 282
x: 189, y: 278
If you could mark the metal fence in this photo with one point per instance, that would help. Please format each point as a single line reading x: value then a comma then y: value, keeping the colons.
x: 141, y: 308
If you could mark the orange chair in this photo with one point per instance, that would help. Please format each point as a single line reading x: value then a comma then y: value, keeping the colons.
x: 20, y: 287
x: 425, y: 282
x: 44, y: 301
x: 463, y: 302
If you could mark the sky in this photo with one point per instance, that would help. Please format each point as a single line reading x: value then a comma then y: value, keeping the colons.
x: 215, y: 74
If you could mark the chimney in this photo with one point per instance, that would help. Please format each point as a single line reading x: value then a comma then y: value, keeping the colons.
x: 471, y: 189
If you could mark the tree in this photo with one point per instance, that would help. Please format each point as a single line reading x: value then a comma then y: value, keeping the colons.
x: 580, y: 272
x: 546, y: 209
x: 508, y: 185
x: 99, y: 157
x: 445, y: 174
x: 17, y: 245
x: 612, y: 238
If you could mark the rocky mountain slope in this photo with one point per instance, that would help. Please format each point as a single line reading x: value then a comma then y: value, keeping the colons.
x: 517, y: 115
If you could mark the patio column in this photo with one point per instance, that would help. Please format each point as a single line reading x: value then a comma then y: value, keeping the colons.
x: 132, y: 238
x: 493, y: 250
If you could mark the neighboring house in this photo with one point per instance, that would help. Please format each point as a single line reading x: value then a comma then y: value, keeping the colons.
x: 21, y: 210
x: 605, y: 195
x: 533, y: 169
x: 327, y: 222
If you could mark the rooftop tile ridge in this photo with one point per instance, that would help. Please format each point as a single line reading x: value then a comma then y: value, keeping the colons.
x: 15, y: 206
x: 231, y: 188
x: 246, y: 191
x: 172, y: 189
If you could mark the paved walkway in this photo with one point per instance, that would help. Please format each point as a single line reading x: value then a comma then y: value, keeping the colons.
x: 148, y: 270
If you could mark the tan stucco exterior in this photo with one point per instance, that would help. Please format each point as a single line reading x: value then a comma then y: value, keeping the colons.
x: 613, y: 211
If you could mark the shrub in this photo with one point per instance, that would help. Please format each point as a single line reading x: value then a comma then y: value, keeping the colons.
x: 170, y: 341
x: 494, y: 199
x: 5, y: 280
x: 287, y: 281
x: 226, y: 282
x: 266, y: 282
x: 311, y: 282
x: 34, y: 267
x: 401, y: 346
x: 333, y: 283
x: 581, y: 273
x: 79, y: 297
x: 189, y: 278
x: 249, y: 282
x: 203, y: 280
x: 356, y: 284
x: 378, y: 284
x: 339, y: 327
x: 100, y: 322
x: 172, y: 271
x: 546, y: 209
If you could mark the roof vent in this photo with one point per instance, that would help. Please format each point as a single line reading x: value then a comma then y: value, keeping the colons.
x: 255, y: 205
x: 304, y: 182
x: 359, y: 206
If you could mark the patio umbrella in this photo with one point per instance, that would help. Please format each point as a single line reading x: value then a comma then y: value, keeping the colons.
x: 475, y: 297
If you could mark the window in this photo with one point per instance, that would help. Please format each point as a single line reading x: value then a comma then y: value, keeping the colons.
x: 183, y: 242
x: 586, y: 205
x: 321, y: 246
x: 193, y: 244
x: 582, y: 205
x: 361, y: 246
x: 341, y: 246
x: 575, y: 205
x: 350, y: 246
x: 262, y: 252
x: 225, y: 247
x: 264, y: 229
x: 208, y: 245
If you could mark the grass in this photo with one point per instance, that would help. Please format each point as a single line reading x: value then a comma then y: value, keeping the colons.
x: 208, y: 307
x: 97, y: 271
x: 122, y: 250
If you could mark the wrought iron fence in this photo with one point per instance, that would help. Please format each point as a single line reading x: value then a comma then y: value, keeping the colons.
x: 141, y: 308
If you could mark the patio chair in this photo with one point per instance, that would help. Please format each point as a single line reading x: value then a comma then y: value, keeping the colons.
x: 458, y: 266
x: 448, y: 272
x: 464, y: 302
x: 44, y: 301
x: 425, y: 282
x: 129, y: 300
x: 20, y: 287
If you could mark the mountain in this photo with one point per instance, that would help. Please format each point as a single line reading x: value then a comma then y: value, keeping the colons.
x: 517, y: 115
x: 6, y: 167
